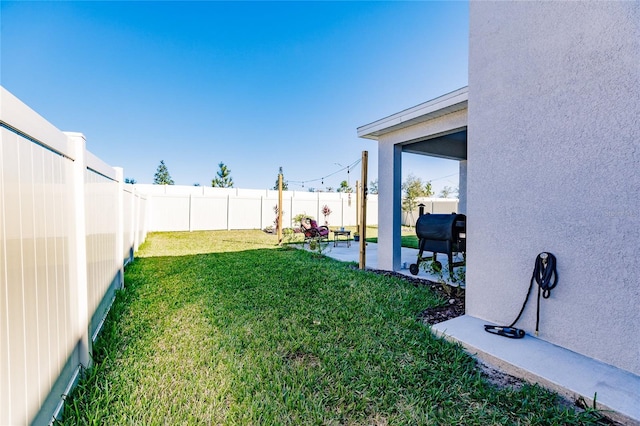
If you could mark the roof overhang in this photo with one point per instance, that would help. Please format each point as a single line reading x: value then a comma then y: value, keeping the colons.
x: 451, y: 145
x: 443, y: 105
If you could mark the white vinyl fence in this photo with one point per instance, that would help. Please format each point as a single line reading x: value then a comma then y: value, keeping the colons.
x: 67, y: 226
x: 196, y: 208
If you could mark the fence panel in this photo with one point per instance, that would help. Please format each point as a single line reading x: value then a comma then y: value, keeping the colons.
x: 170, y: 213
x: 129, y: 219
x: 244, y: 213
x: 38, y: 300
x: 134, y: 221
x: 209, y: 213
x: 177, y: 208
x: 103, y: 269
x: 60, y: 258
x: 336, y: 206
x: 431, y: 205
x: 306, y: 206
x: 268, y: 216
x: 445, y: 206
x: 141, y: 217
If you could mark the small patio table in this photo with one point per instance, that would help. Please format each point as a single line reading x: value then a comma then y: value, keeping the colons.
x: 337, y: 233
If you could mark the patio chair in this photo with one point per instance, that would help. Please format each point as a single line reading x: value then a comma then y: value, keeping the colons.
x: 311, y: 230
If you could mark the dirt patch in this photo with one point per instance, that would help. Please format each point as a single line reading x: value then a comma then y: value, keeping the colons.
x: 303, y: 359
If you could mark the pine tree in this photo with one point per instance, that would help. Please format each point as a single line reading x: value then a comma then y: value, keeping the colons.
x: 162, y: 176
x: 223, y: 180
x: 285, y: 185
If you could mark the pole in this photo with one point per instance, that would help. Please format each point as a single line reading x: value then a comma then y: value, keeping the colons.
x: 363, y: 211
x: 279, y: 224
x: 357, y: 203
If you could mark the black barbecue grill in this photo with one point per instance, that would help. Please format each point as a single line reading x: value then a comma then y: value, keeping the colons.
x: 440, y: 233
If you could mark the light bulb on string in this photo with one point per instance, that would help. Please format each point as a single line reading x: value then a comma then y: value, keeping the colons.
x: 321, y: 179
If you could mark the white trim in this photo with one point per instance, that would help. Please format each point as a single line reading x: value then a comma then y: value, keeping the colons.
x: 442, y: 105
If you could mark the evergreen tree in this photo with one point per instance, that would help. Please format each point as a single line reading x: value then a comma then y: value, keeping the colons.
x: 223, y: 180
x: 285, y: 185
x: 162, y: 176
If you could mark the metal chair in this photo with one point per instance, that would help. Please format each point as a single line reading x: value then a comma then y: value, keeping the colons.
x: 312, y: 231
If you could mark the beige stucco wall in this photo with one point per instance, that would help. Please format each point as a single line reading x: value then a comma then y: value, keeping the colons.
x: 554, y: 165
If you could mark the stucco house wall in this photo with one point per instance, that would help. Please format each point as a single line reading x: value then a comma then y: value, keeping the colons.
x: 554, y: 165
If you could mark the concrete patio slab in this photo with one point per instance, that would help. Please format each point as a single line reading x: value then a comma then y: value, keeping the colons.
x: 568, y: 373
x: 351, y: 253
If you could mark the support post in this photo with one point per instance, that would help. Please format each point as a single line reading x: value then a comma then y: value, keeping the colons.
x: 78, y: 247
x: 358, y: 202
x: 279, y: 224
x: 363, y: 211
x: 389, y: 196
x: 190, y: 212
x: 120, y: 225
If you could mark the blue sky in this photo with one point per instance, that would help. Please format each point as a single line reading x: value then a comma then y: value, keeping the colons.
x: 256, y: 85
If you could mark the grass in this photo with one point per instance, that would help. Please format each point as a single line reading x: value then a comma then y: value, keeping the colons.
x: 410, y: 241
x: 226, y: 328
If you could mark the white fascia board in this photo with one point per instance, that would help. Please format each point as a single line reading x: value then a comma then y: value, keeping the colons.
x: 445, y: 104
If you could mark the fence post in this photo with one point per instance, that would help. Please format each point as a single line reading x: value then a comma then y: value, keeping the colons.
x: 133, y: 227
x: 262, y: 212
x: 120, y: 225
x: 135, y: 220
x: 291, y: 214
x: 78, y: 246
x: 228, y: 211
x: 190, y: 212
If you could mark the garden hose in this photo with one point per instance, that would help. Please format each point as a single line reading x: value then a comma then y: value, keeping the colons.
x: 546, y: 276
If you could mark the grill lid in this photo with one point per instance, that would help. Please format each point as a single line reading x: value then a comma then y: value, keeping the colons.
x: 440, y: 227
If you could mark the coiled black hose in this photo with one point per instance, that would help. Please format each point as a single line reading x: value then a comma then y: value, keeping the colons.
x: 546, y: 276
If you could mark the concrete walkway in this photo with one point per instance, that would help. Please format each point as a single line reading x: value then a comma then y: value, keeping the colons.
x: 572, y: 375
x: 351, y: 253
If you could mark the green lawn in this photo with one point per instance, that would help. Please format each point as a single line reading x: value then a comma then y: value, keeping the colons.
x: 410, y: 241
x: 227, y: 328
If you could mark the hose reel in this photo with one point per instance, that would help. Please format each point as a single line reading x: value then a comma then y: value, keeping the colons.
x: 546, y: 276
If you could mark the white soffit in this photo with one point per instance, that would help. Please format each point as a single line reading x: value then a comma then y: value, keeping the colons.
x: 445, y: 104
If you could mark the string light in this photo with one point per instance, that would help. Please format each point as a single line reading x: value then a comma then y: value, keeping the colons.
x: 348, y: 169
x: 322, y: 178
